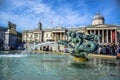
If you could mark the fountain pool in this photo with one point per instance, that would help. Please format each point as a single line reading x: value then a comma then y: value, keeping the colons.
x: 56, y: 67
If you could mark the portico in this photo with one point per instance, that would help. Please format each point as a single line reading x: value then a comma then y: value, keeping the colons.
x: 58, y: 35
x: 108, y: 34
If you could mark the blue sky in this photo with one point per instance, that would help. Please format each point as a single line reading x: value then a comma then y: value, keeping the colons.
x: 52, y: 13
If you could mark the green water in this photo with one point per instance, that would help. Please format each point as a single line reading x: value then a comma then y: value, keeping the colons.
x: 56, y: 67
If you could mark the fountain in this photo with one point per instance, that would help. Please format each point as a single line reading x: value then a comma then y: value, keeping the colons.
x: 81, y: 44
x: 59, y: 67
x: 24, y: 53
x: 30, y: 49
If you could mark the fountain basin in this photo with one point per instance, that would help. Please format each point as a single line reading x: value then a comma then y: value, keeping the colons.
x: 57, y: 67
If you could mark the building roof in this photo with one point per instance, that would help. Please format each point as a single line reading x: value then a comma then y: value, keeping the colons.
x: 55, y: 29
x: 48, y: 30
x: 98, y: 16
x: 26, y: 31
x: 102, y: 25
x: 76, y: 29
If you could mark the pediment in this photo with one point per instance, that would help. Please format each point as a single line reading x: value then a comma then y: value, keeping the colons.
x: 101, y: 26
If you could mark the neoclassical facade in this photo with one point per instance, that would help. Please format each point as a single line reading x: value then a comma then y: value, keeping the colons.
x: 31, y: 36
x: 59, y: 33
x: 54, y: 34
x: 109, y: 33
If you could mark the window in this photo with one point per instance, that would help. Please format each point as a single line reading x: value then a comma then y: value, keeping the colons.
x: 36, y: 35
x: 46, y: 35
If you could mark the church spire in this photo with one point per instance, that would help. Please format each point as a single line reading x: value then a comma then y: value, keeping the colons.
x: 39, y: 25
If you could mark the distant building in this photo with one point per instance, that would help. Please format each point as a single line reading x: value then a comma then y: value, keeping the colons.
x: 2, y: 36
x: 59, y: 33
x: 19, y: 37
x: 33, y: 36
x: 9, y: 37
x: 47, y: 36
x: 109, y: 33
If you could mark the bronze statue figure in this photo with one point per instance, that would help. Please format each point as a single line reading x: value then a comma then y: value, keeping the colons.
x: 80, y: 43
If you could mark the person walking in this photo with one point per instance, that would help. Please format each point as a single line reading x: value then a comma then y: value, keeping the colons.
x: 104, y: 49
x: 99, y: 50
x: 118, y: 52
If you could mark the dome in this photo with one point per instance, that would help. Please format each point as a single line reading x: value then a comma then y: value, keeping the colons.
x: 98, y: 16
x: 98, y: 19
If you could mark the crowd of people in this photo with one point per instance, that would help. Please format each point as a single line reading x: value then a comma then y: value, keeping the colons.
x: 110, y: 49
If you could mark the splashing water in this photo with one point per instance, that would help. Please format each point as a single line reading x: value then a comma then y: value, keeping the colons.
x: 13, y: 55
x: 30, y: 49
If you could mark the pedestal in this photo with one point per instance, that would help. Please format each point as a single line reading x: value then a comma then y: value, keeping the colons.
x: 79, y: 59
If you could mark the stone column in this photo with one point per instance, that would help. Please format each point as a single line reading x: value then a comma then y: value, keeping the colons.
x: 111, y: 36
x: 33, y: 37
x: 90, y: 31
x: 65, y: 37
x: 98, y: 32
x: 102, y: 36
x: 38, y: 37
x: 60, y: 36
x: 55, y: 37
x: 95, y: 32
x: 99, y: 35
x: 107, y: 36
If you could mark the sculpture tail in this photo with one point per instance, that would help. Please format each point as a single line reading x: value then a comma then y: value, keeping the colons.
x: 64, y: 42
x: 89, y: 46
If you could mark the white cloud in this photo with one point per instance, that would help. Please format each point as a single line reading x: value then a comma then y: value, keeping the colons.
x: 32, y: 11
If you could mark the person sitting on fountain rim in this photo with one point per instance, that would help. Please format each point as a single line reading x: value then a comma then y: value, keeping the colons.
x: 118, y: 52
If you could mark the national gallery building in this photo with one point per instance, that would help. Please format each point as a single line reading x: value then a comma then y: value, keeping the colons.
x: 109, y: 33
